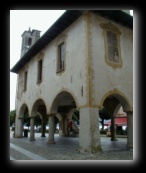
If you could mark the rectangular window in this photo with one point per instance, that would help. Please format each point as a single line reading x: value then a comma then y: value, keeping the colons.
x: 112, y: 44
x: 61, y: 57
x: 25, y: 81
x: 39, y: 71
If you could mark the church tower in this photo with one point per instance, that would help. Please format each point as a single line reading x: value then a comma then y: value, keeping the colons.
x: 29, y: 38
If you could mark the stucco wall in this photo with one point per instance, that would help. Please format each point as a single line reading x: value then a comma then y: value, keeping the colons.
x: 105, y: 77
x: 79, y: 48
x: 71, y: 80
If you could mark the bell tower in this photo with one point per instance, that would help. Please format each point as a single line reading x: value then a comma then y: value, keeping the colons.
x: 29, y: 38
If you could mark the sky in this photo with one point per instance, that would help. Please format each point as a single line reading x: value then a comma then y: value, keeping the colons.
x: 21, y: 20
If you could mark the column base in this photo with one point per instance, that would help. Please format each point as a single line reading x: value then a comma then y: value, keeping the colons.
x: 114, y: 139
x: 129, y: 146
x: 14, y: 136
x: 51, y: 142
x: 92, y: 149
x: 31, y: 139
x: 43, y: 136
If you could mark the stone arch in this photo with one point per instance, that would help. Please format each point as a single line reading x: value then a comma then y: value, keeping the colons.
x: 121, y: 98
x: 59, y: 116
x: 62, y: 104
x: 112, y: 101
x: 68, y: 100
x: 22, y: 110
x: 38, y: 106
x: 19, y: 121
x: 69, y: 116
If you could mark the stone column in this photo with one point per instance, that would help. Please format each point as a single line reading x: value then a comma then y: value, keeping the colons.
x: 130, y: 129
x: 51, y: 130
x: 32, y: 138
x: 89, y: 134
x: 65, y: 126
x: 61, y: 132
x: 20, y: 127
x: 43, y: 127
x: 113, y: 129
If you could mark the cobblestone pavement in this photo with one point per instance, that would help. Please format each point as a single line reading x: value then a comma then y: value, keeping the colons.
x: 66, y: 148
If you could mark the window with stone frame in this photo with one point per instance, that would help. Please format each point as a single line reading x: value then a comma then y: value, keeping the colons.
x: 112, y: 46
x: 25, y: 81
x: 61, y: 57
x: 39, y: 78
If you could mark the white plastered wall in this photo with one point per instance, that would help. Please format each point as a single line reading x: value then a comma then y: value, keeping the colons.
x: 71, y: 80
x: 105, y: 77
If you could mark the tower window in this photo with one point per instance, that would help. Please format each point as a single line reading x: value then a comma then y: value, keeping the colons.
x: 29, y: 41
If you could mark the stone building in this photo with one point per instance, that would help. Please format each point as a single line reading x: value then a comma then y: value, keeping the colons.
x: 83, y: 61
